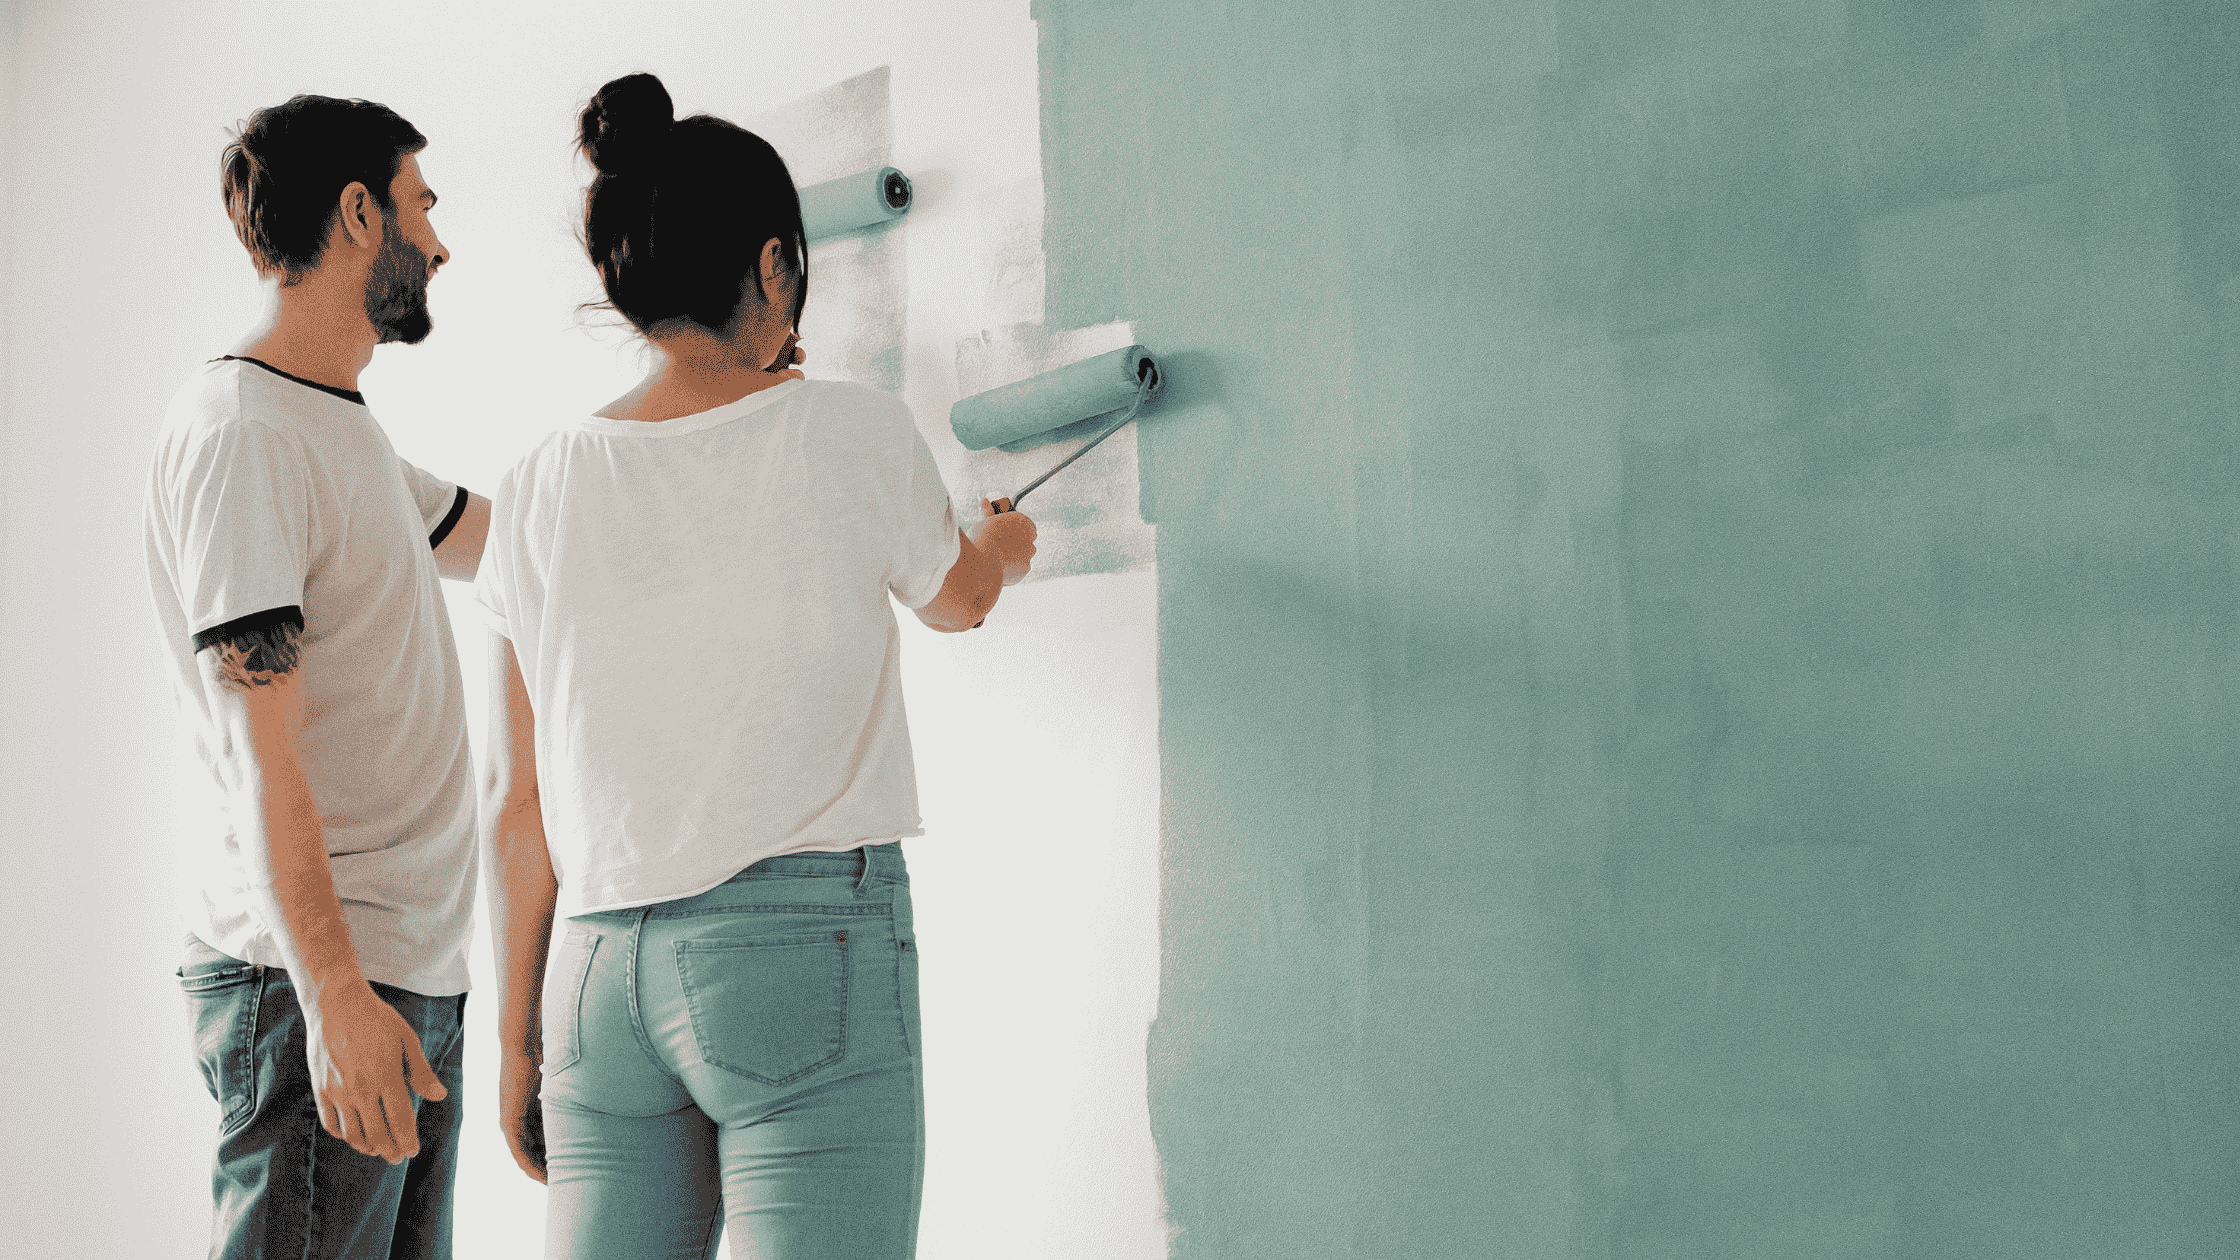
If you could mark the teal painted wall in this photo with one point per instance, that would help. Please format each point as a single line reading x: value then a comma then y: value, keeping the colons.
x: 1697, y: 616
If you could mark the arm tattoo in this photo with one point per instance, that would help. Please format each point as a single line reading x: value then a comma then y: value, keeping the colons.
x: 257, y: 657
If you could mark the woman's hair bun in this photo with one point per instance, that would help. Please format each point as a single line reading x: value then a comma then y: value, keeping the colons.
x: 627, y: 124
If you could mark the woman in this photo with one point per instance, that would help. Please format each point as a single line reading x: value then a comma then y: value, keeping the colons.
x: 698, y: 757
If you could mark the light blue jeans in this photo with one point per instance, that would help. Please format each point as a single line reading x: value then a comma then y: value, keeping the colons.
x: 748, y: 1056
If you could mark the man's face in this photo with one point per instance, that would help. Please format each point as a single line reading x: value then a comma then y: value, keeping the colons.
x: 397, y: 286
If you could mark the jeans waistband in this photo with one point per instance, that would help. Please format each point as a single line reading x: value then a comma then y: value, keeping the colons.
x: 881, y: 860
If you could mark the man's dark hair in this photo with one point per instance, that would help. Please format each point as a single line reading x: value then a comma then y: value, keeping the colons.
x: 681, y: 208
x: 286, y: 167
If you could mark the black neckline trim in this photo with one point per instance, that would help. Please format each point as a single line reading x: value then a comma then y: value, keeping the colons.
x: 347, y: 395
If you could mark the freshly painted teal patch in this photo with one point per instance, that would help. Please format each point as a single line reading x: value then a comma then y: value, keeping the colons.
x: 1697, y: 616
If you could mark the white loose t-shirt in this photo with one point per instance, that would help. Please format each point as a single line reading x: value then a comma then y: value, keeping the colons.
x: 274, y: 500
x: 700, y: 610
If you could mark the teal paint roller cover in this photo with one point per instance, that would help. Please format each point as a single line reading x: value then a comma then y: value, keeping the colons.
x: 854, y: 201
x: 1055, y: 405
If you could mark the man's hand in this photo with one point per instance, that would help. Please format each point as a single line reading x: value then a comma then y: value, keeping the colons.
x: 366, y: 1064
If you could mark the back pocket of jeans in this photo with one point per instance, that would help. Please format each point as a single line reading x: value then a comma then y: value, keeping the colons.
x: 770, y: 1009
x: 563, y: 999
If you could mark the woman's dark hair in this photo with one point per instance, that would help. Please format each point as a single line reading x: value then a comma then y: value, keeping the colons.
x: 676, y: 218
x: 285, y: 169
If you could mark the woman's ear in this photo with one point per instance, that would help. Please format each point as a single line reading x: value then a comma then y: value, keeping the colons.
x: 773, y: 270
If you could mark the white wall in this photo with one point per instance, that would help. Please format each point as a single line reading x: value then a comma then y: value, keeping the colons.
x: 9, y: 19
x: 1035, y: 883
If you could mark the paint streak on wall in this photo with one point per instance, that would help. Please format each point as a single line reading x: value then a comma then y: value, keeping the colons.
x: 1697, y: 616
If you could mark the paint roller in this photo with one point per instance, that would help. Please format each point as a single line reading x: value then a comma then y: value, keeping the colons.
x: 854, y: 201
x: 842, y: 205
x: 1068, y: 402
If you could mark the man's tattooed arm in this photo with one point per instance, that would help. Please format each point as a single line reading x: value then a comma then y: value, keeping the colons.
x: 252, y: 675
x: 257, y: 657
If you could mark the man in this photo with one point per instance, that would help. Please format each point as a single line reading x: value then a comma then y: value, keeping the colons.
x: 293, y: 559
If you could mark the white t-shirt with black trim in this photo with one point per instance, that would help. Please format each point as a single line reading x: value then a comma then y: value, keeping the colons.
x: 701, y: 611
x: 271, y: 499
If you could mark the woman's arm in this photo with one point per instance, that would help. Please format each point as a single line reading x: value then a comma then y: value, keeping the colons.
x: 994, y: 553
x: 517, y: 872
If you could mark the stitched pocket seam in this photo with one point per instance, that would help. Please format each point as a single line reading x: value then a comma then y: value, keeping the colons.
x: 702, y: 1018
x: 573, y: 1047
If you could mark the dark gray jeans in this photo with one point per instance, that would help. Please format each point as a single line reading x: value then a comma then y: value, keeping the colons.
x: 282, y: 1185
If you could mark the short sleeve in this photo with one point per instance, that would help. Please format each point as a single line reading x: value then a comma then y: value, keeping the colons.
x: 922, y: 522
x: 441, y: 503
x: 495, y: 573
x: 241, y: 501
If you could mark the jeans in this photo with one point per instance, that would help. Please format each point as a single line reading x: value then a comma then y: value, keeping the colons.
x: 748, y: 1055
x: 284, y: 1187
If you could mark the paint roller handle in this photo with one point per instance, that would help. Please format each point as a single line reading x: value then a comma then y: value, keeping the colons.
x: 1145, y: 380
x: 1142, y: 391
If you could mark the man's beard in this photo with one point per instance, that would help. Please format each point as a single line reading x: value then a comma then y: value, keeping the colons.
x: 397, y: 290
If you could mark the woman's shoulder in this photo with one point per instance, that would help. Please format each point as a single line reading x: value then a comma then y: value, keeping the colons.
x: 852, y: 398
x: 545, y: 459
x: 857, y: 416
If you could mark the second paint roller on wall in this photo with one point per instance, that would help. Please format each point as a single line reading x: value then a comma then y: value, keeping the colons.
x: 839, y: 206
x: 1071, y: 401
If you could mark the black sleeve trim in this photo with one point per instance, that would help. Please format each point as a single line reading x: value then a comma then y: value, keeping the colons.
x: 292, y: 615
x: 443, y: 531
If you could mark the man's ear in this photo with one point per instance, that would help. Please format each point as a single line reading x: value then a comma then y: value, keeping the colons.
x: 361, y: 216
